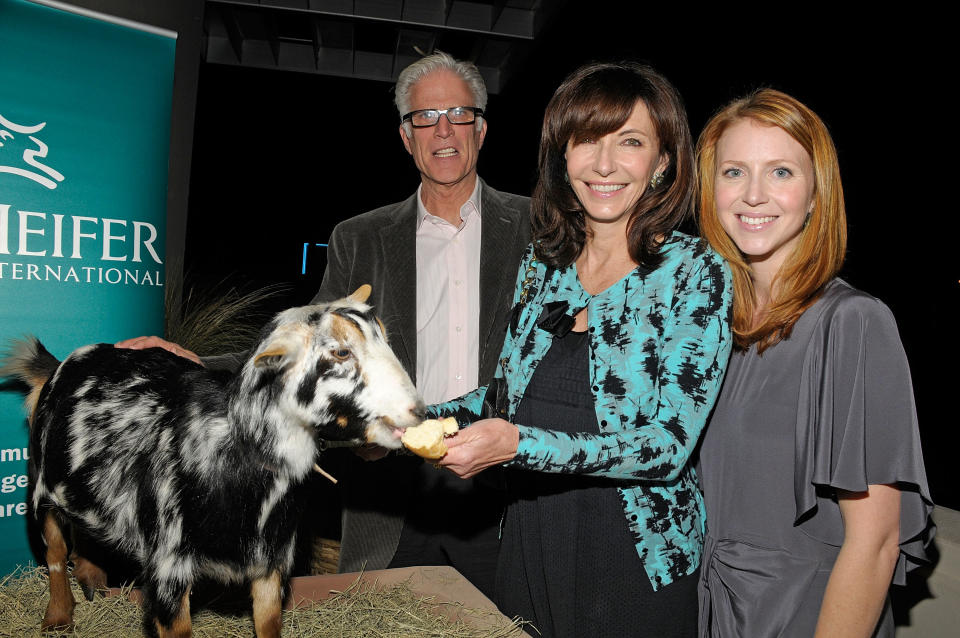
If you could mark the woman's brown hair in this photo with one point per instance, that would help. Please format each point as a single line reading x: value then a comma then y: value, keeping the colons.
x: 820, y: 251
x: 593, y: 101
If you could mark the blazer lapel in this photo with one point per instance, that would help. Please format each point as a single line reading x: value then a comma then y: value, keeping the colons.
x: 398, y: 242
x: 498, y: 233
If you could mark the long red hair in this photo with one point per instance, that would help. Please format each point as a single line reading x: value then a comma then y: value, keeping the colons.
x: 819, y: 253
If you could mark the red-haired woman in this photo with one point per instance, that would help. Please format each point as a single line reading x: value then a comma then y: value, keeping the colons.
x: 811, y: 466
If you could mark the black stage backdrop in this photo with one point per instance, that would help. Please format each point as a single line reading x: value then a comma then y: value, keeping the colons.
x: 280, y: 158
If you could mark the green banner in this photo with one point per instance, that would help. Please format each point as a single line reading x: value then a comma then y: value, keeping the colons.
x: 84, y: 143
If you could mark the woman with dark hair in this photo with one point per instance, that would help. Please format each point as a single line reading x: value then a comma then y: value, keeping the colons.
x: 811, y: 466
x: 614, y: 355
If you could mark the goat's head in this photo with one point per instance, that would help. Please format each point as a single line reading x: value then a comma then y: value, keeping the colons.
x: 330, y: 369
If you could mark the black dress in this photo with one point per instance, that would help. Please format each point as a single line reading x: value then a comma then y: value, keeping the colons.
x: 568, y: 562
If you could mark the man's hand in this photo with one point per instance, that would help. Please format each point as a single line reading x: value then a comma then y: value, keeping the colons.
x: 142, y: 343
x: 484, y: 444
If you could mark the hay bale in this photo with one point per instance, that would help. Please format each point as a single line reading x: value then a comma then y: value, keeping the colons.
x: 358, y: 611
x: 326, y: 556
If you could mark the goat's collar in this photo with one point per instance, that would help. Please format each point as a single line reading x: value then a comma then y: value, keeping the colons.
x: 328, y: 445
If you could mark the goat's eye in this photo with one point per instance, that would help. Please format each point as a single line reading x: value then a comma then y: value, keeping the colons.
x: 340, y: 353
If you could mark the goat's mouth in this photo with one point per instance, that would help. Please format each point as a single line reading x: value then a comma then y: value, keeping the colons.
x: 396, y: 430
x: 389, y: 425
x: 386, y: 432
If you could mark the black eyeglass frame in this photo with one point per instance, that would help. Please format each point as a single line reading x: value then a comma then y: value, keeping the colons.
x: 476, y: 110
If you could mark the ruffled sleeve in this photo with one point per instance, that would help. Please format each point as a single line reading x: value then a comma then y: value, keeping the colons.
x: 857, y: 423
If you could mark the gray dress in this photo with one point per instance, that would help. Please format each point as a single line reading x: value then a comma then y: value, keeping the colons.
x: 831, y: 407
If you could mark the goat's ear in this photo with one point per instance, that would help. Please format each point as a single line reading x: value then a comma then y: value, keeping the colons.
x: 361, y: 294
x: 272, y: 358
x: 277, y: 353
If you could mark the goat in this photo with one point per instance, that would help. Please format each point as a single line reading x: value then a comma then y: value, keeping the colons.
x: 193, y: 475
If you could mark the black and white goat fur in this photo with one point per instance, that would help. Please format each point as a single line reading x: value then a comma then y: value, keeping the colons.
x: 198, y: 477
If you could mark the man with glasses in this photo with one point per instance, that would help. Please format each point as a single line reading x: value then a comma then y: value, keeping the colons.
x: 442, y: 265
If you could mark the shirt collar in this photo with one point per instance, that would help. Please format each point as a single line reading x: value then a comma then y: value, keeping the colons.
x: 470, y: 207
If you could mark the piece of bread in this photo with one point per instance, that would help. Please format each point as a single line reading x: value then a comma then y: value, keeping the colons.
x: 426, y: 439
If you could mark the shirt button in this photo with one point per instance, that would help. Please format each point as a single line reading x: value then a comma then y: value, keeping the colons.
x: 456, y: 282
x: 459, y: 377
x: 458, y: 328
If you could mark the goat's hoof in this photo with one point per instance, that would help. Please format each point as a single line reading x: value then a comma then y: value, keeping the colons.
x: 92, y: 582
x: 90, y: 577
x: 89, y: 591
x: 56, y: 625
x: 58, y: 618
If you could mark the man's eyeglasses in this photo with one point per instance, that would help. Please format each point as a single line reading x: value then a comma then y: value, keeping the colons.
x: 423, y: 118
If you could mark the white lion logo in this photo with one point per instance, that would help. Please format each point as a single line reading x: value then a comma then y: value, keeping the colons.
x: 29, y: 155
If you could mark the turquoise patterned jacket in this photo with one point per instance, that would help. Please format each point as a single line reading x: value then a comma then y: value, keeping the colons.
x: 659, y: 344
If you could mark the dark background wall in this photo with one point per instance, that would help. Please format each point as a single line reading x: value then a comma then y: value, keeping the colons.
x: 280, y: 157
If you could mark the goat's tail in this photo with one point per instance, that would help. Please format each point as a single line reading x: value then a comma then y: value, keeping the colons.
x: 29, y: 361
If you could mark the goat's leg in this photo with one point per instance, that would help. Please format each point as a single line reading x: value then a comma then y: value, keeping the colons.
x: 90, y: 576
x: 267, y: 594
x: 59, y: 612
x: 169, y: 607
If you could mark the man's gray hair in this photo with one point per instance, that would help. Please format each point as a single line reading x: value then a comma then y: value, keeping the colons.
x: 440, y: 61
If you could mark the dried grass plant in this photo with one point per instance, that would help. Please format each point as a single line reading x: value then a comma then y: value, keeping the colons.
x: 219, y: 319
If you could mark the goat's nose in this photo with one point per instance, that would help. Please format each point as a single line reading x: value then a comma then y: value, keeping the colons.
x: 419, y: 410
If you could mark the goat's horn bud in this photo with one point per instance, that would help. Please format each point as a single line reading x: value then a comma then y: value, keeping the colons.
x: 362, y: 293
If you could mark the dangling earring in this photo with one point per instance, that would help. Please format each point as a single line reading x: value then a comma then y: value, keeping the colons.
x: 566, y: 177
x: 656, y: 180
